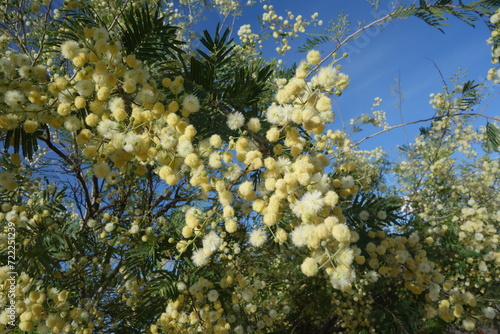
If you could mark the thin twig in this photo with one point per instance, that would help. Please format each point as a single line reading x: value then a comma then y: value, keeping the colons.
x: 398, y: 92
x: 44, y: 34
x: 348, y: 38
x: 118, y: 16
x: 78, y: 172
x: 421, y: 121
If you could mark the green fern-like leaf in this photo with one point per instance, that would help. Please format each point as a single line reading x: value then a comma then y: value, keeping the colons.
x: 373, y: 204
x: 314, y: 42
x: 470, y: 95
x: 492, y: 141
x: 219, y: 47
x: 224, y: 83
x: 404, y: 12
x: 145, y: 34
x: 485, y: 3
x: 436, y: 14
x: 432, y: 17
x: 22, y: 141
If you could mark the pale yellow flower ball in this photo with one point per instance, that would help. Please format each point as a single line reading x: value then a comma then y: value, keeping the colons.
x: 324, y: 103
x: 230, y: 225
x: 281, y: 235
x: 187, y: 232
x: 119, y: 114
x: 254, y: 124
x: 92, y: 119
x: 469, y: 324
x: 309, y: 267
x: 26, y: 326
x: 30, y: 126
x: 103, y: 93
x: 215, y: 140
x: 341, y: 233
x: 273, y: 134
x: 313, y: 57
x: 90, y: 152
x: 101, y: 169
x: 80, y: 102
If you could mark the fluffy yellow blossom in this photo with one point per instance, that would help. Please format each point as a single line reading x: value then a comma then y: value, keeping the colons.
x: 101, y: 169
x: 273, y: 134
x: 313, y: 57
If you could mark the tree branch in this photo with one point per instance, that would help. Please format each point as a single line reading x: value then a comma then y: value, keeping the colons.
x: 422, y: 121
x: 77, y: 170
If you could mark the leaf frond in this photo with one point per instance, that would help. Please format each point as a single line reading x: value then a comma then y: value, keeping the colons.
x: 145, y: 34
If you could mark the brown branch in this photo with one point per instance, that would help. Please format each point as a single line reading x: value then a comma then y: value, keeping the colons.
x: 44, y: 34
x: 75, y: 167
x: 150, y: 189
x: 23, y: 29
x: 348, y: 38
x: 421, y: 121
x: 118, y: 16
x: 331, y: 326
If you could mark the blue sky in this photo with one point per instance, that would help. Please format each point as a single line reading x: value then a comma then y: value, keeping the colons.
x: 406, y: 49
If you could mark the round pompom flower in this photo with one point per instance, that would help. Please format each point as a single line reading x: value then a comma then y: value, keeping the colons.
x: 347, y: 182
x: 14, y: 98
x: 212, y: 295
x: 327, y: 77
x: 30, y: 126
x: 72, y: 123
x: 489, y: 312
x: 101, y: 169
x: 200, y: 258
x: 70, y: 49
x: 211, y: 242
x: 235, y: 120
x: 341, y: 233
x: 313, y: 57
x: 309, y: 267
x: 191, y: 103
x: 258, y: 237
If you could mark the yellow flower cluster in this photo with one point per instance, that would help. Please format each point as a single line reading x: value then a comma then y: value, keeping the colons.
x: 293, y: 179
x: 37, y: 307
x: 200, y: 307
x: 285, y: 28
x: 463, y: 211
x: 283, y: 181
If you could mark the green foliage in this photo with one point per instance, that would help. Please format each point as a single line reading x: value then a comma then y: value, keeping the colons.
x: 335, y: 32
x: 225, y: 83
x: 19, y: 139
x: 145, y: 34
x: 373, y: 204
x: 404, y: 12
x: 314, y: 42
x: 52, y: 240
x: 123, y: 249
x: 71, y: 25
x: 401, y: 317
x: 436, y: 13
x: 492, y: 140
x: 470, y: 95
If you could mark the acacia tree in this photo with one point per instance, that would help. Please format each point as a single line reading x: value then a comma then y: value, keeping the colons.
x: 155, y: 180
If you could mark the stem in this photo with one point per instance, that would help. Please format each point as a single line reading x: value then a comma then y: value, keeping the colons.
x: 44, y: 34
x: 421, y: 121
x: 78, y: 172
x: 348, y: 38
x: 118, y: 16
